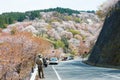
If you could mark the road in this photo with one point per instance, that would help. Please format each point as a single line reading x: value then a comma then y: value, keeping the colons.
x: 76, y: 70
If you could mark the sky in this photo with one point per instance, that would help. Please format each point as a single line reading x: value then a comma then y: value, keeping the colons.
x: 26, y: 5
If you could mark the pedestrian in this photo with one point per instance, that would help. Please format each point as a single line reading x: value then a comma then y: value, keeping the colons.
x: 39, y: 62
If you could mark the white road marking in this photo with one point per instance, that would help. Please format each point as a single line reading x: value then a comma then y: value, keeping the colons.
x: 34, y: 73
x: 56, y: 73
x: 112, y: 76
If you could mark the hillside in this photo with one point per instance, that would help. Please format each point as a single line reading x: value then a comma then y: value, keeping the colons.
x: 67, y: 30
x: 106, y: 51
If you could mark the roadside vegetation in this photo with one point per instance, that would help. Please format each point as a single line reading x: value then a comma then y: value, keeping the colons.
x: 17, y: 53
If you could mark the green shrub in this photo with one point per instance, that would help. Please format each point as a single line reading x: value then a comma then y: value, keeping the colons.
x: 74, y: 32
x: 59, y: 44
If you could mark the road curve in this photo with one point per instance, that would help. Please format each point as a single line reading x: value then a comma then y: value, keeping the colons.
x: 76, y: 70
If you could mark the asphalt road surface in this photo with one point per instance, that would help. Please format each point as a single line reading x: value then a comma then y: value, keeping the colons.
x: 76, y: 70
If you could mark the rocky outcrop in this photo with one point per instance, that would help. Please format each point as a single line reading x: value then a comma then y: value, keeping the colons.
x: 106, y: 51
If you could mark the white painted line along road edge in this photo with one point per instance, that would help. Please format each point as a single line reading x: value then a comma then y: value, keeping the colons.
x: 33, y: 75
x: 112, y: 76
x: 56, y: 73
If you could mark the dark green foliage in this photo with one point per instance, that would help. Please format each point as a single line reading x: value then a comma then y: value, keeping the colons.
x: 66, y: 43
x: 17, y: 16
x: 60, y: 10
x: 33, y: 14
x: 74, y: 32
x: 9, y: 18
x: 91, y: 11
x: 59, y: 44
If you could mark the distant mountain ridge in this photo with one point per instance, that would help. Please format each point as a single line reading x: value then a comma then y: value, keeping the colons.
x: 11, y: 17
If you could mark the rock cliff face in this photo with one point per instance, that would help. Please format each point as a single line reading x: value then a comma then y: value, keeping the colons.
x: 107, y: 48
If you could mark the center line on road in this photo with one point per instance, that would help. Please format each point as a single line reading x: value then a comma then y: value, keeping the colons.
x: 56, y: 73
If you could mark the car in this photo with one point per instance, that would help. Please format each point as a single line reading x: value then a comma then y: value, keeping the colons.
x: 67, y: 58
x: 70, y: 58
x: 64, y: 58
x: 53, y: 60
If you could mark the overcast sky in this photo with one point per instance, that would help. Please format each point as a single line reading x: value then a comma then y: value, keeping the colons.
x: 26, y: 5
